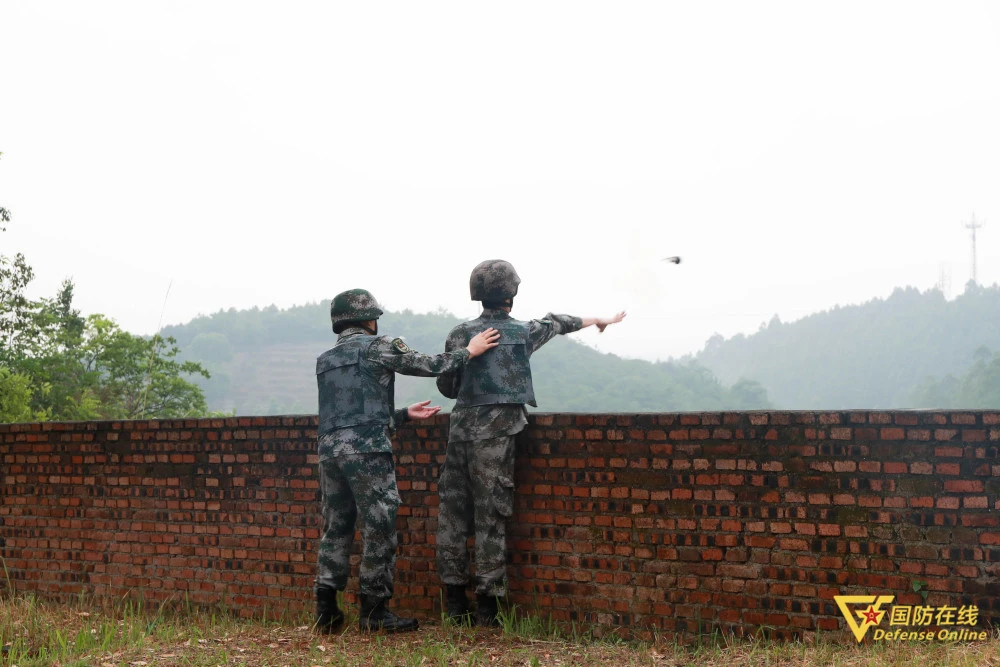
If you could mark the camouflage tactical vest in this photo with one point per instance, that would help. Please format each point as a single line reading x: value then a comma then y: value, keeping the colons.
x: 501, y: 375
x: 349, y: 391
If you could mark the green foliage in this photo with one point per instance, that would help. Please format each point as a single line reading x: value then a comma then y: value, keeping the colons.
x: 133, y: 377
x: 56, y: 364
x: 273, y: 354
x: 880, y: 354
x: 15, y: 396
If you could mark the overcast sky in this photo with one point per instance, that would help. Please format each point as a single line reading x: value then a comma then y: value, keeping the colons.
x: 795, y: 155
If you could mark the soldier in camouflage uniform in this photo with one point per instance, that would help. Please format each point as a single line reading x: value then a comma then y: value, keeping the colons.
x: 477, y: 481
x: 357, y: 474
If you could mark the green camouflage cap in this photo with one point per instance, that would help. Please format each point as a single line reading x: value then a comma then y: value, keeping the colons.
x: 493, y: 280
x: 354, y: 305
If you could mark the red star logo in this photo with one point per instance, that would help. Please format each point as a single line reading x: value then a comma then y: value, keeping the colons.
x: 872, y: 616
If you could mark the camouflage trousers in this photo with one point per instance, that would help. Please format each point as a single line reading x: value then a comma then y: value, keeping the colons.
x: 358, y: 486
x: 476, y: 494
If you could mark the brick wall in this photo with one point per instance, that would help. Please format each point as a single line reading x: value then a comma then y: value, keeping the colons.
x: 666, y: 523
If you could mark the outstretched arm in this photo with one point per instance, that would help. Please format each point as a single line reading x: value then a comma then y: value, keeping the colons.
x: 397, y: 356
x: 543, y: 330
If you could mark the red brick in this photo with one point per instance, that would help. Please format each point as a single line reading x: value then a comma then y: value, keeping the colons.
x: 963, y: 486
x: 793, y: 545
x: 948, y: 451
x: 828, y: 529
x: 805, y: 528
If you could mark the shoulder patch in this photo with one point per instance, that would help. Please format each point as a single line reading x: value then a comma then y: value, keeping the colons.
x: 399, y: 346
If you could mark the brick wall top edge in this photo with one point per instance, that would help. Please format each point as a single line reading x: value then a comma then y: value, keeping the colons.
x: 310, y: 420
x: 181, y: 423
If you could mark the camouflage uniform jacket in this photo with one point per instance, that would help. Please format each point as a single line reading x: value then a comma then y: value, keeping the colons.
x: 492, y: 421
x: 391, y: 357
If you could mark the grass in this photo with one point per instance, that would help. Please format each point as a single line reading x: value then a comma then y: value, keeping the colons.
x: 35, y: 633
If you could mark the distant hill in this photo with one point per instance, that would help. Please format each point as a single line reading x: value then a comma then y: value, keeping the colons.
x: 263, y: 362
x: 885, y: 353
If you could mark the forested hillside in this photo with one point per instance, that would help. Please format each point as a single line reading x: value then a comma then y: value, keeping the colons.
x: 910, y: 350
x: 262, y: 361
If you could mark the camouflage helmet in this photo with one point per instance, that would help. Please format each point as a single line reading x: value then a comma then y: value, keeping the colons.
x: 354, y: 305
x: 493, y: 280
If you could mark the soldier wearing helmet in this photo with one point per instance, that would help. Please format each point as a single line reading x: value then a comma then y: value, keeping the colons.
x: 476, y: 486
x: 357, y: 474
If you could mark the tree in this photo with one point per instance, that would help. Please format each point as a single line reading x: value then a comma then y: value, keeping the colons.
x: 56, y: 364
x: 16, y: 322
x: 748, y: 395
x: 15, y: 396
x: 4, y: 214
x: 133, y: 378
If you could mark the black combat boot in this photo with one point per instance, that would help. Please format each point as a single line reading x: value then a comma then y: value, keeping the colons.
x: 329, y: 618
x: 487, y: 611
x: 374, y: 616
x: 457, y: 605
